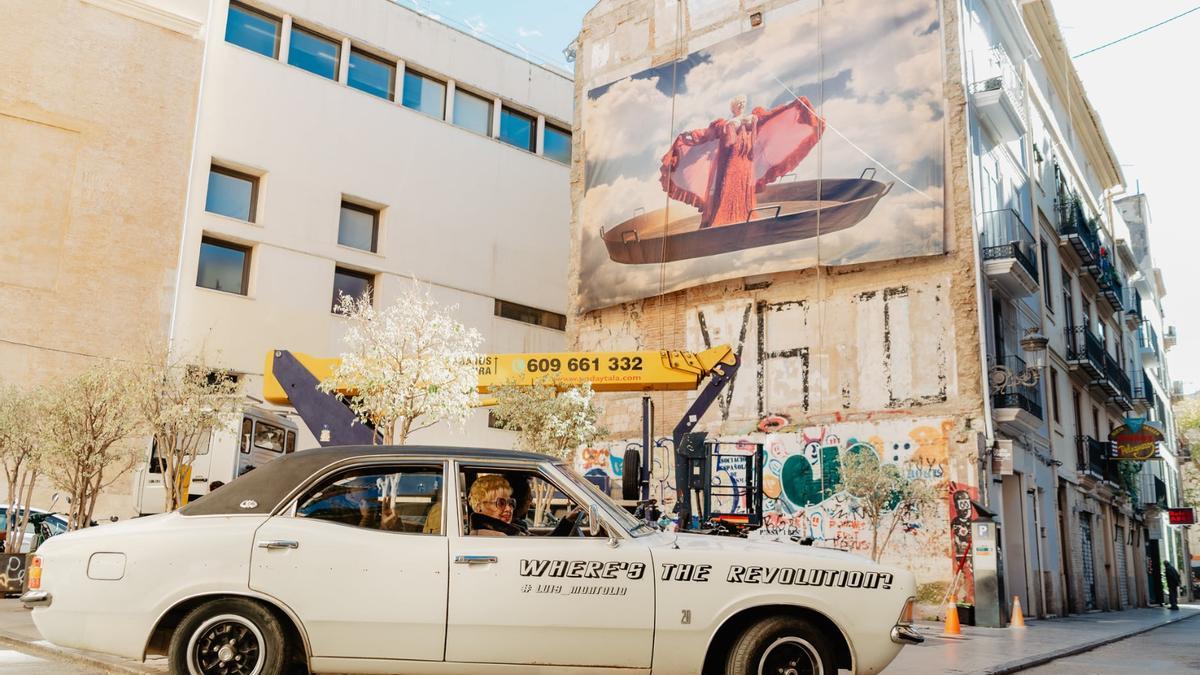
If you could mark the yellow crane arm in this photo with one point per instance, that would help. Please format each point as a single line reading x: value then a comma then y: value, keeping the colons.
x: 647, y: 370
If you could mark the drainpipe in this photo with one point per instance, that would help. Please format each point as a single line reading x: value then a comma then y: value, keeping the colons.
x: 1037, y: 545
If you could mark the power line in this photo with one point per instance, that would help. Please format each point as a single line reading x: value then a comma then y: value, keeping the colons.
x: 1132, y: 35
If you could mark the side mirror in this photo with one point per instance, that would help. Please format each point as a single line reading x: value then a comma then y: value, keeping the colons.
x: 593, y: 515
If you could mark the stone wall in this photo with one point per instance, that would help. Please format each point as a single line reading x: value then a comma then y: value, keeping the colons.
x: 97, y: 111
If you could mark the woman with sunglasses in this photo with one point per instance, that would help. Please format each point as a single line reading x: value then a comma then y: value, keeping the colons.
x: 492, y: 507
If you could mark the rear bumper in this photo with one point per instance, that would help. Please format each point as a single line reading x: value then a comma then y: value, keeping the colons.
x: 906, y: 635
x: 33, y: 599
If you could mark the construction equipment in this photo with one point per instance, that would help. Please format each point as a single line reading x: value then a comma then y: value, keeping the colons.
x: 292, y: 379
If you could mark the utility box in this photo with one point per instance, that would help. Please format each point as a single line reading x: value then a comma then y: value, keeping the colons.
x: 987, y: 563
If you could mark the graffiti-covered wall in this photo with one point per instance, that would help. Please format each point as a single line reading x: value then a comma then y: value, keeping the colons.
x: 802, y: 487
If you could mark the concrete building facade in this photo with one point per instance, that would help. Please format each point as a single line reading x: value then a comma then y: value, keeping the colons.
x: 969, y: 370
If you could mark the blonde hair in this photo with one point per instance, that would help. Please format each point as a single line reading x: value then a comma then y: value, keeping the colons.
x: 740, y: 98
x: 487, y: 487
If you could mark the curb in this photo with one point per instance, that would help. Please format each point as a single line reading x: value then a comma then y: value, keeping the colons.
x: 1042, y: 659
x: 60, y: 654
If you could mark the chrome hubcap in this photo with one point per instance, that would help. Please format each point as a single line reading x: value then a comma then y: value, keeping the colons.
x: 790, y: 656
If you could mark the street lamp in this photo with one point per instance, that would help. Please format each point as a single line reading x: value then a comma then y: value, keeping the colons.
x: 1034, y: 345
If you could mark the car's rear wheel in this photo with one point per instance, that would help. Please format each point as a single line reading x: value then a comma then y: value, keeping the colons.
x: 781, y: 645
x: 230, y: 636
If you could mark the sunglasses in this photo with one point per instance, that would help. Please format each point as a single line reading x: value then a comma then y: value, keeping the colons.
x: 503, y: 502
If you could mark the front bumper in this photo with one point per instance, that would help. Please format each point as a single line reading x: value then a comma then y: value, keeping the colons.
x: 35, y: 599
x: 906, y: 635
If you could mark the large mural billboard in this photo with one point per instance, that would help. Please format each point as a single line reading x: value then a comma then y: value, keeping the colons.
x: 816, y: 138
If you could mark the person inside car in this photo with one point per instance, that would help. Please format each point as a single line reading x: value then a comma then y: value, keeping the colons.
x: 492, y: 507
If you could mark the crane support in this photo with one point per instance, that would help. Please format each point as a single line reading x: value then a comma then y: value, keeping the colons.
x: 292, y: 379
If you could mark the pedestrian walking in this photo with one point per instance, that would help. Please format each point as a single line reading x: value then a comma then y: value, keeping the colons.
x: 1172, y: 575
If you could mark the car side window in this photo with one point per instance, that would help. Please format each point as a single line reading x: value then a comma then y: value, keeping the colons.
x: 518, y: 503
x: 395, y: 498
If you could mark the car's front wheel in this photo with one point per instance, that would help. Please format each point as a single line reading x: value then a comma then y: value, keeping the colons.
x: 229, y: 636
x: 781, y: 645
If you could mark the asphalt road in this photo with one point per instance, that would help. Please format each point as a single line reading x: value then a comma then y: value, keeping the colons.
x: 17, y: 663
x: 1170, y: 649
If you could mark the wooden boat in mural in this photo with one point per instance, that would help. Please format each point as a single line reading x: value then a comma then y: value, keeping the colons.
x: 787, y: 211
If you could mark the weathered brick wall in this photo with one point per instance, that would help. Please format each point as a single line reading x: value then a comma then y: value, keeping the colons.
x: 885, y: 353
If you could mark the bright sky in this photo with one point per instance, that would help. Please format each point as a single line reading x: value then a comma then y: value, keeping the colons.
x: 1144, y: 89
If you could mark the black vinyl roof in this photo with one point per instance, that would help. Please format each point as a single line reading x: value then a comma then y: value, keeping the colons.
x: 262, y: 490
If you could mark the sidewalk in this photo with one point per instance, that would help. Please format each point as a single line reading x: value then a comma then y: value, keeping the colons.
x: 1007, y: 650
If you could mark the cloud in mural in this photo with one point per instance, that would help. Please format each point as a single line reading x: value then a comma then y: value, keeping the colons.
x: 754, y: 192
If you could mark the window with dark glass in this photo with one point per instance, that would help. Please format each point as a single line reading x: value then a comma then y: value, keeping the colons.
x: 223, y: 266
x: 472, y: 112
x: 424, y: 93
x: 556, y: 144
x: 1054, y: 395
x: 351, y: 283
x: 358, y: 227
x: 1047, y: 293
x: 247, y: 435
x: 253, y: 30
x: 372, y: 75
x: 290, y: 445
x: 537, y: 317
x: 314, y: 53
x: 231, y: 193
x: 517, y: 129
x: 269, y: 437
x: 395, y: 498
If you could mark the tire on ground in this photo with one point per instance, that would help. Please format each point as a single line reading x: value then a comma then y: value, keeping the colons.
x: 273, y: 650
x: 750, y: 647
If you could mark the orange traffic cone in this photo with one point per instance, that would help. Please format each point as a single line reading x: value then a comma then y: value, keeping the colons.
x: 952, y: 627
x: 1018, y: 617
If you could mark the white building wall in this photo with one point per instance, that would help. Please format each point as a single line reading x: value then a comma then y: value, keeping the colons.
x: 474, y: 217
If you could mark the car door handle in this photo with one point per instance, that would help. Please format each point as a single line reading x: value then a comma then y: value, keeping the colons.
x: 476, y: 559
x: 279, y: 543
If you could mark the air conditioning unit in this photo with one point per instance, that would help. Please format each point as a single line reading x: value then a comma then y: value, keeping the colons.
x: 1170, y: 337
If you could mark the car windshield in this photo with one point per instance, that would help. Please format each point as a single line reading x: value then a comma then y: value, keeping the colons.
x: 631, y: 525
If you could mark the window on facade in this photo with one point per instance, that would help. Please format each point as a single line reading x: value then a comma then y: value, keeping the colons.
x: 537, y: 317
x: 1068, y: 304
x: 372, y: 75
x: 1047, y: 293
x: 314, y: 53
x: 269, y: 437
x: 425, y: 94
x: 392, y: 498
x: 517, y: 129
x: 223, y: 266
x: 231, y: 193
x: 358, y: 227
x: 472, y: 112
x: 351, y: 283
x: 556, y: 144
x: 1054, y: 396
x: 253, y: 30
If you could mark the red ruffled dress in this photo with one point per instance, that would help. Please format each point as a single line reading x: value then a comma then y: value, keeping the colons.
x: 721, y: 169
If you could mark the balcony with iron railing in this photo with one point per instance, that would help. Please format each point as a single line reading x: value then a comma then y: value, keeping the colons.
x: 1015, y: 404
x: 998, y: 93
x: 1143, y: 389
x: 1009, y: 252
x: 1133, y: 307
x: 1095, y: 459
x: 1085, y: 352
x: 1111, y: 289
x: 1116, y: 384
x: 1147, y: 342
x: 1076, y: 232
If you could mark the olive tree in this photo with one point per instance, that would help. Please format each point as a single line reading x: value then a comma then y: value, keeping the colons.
x: 881, y: 490
x: 21, y: 421
x: 180, y: 401
x: 89, y: 418
x: 407, y: 366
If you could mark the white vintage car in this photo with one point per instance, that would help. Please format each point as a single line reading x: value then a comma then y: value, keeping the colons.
x: 374, y: 560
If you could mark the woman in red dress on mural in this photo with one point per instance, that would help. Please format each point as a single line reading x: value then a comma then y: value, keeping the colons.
x: 721, y: 168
